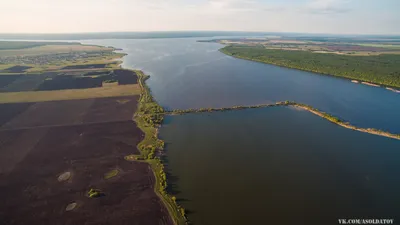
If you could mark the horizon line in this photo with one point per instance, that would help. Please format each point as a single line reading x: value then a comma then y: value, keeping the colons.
x: 199, y: 31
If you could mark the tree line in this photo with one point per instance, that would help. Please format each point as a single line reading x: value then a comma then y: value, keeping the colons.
x: 380, y: 69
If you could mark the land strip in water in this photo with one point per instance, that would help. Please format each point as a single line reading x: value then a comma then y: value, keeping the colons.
x: 311, y: 109
x: 149, y: 117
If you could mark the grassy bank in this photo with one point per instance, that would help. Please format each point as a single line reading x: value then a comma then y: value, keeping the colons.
x: 148, y: 117
x: 379, y: 69
x: 315, y: 111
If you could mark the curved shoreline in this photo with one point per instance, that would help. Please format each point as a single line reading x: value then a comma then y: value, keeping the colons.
x: 360, y: 81
x: 308, y: 108
x: 148, y: 118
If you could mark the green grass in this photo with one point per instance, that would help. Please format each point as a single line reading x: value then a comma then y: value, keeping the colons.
x: 148, y: 117
x: 109, y: 58
x: 7, y: 45
x: 379, y: 69
x: 52, y: 49
x: 111, y: 174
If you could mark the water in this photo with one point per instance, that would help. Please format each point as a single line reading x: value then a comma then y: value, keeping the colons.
x: 279, y: 166
x: 189, y: 74
x: 272, y: 165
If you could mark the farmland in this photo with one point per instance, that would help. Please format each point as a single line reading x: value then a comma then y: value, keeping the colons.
x: 66, y: 121
x: 7, y: 45
x: 52, y: 49
x: 337, y: 45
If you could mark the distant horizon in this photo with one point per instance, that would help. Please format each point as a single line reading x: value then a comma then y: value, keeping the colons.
x: 201, y: 31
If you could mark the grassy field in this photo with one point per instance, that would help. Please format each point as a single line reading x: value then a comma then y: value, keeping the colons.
x: 390, y: 46
x: 351, y: 47
x: 381, y: 69
x: 40, y: 96
x: 7, y: 45
x: 52, y: 49
x: 111, y: 59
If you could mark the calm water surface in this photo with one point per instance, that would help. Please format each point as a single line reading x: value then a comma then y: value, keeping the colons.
x: 279, y: 166
x: 273, y: 165
x: 189, y: 74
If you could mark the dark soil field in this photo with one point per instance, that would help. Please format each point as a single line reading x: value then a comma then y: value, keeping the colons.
x: 88, y: 66
x: 11, y: 110
x: 53, y: 113
x: 32, y: 194
x: 7, y: 79
x: 15, y: 145
x: 94, y: 73
x: 111, y: 109
x: 70, y: 112
x: 26, y: 82
x: 125, y: 76
x: 17, y: 69
x: 54, y: 81
x: 70, y: 82
x: 48, y: 139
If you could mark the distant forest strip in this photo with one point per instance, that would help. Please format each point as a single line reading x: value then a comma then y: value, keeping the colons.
x: 315, y: 111
x: 380, y: 69
x: 10, y: 45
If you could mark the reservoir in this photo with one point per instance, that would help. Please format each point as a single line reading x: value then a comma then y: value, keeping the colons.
x: 272, y: 165
x: 278, y: 166
x: 190, y: 74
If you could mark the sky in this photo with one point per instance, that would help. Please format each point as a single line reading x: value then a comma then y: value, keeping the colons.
x: 303, y: 16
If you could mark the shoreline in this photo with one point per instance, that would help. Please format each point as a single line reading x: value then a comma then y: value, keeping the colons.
x: 308, y: 108
x: 392, y: 89
x: 353, y: 80
x: 148, y: 118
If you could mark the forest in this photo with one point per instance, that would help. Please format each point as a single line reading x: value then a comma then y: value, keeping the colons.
x: 381, y: 69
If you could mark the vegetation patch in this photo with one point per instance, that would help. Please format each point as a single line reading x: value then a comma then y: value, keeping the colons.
x: 379, y: 69
x: 111, y: 174
x: 95, y: 193
x: 148, y: 117
x: 85, y: 66
x: 7, y: 45
x: 110, y: 81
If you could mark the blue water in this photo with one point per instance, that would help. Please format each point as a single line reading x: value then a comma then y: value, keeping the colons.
x: 272, y: 165
x: 189, y: 74
x: 278, y: 166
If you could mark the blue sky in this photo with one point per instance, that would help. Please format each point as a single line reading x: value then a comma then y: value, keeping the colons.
x: 305, y: 16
